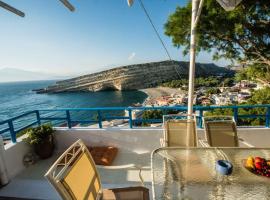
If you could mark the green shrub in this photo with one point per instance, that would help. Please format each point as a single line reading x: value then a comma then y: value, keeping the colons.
x: 39, y: 134
x: 156, y: 114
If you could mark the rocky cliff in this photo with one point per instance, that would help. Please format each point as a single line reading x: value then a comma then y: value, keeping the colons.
x: 133, y: 77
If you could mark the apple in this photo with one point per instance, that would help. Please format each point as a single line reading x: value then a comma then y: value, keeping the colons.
x: 257, y: 159
x: 258, y: 165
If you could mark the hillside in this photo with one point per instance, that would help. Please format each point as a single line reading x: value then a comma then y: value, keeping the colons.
x: 133, y: 77
x: 13, y: 74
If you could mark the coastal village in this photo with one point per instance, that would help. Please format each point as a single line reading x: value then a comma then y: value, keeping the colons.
x: 239, y: 93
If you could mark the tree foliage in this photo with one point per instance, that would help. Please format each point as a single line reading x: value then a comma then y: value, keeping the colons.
x: 152, y: 114
x: 258, y: 72
x: 212, y: 90
x: 261, y: 96
x: 241, y: 75
x: 210, y: 81
x: 228, y: 82
x: 253, y: 72
x: 242, y: 34
x: 156, y: 114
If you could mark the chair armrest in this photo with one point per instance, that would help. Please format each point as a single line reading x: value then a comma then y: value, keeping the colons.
x: 116, y: 166
x: 128, y: 166
x: 245, y: 143
x: 203, y: 143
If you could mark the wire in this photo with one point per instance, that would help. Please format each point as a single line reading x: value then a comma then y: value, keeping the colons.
x: 151, y: 22
x: 160, y: 39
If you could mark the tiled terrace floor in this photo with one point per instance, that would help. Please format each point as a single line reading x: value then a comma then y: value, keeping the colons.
x: 31, y: 183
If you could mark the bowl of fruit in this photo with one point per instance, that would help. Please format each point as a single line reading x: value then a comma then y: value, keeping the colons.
x: 258, y: 166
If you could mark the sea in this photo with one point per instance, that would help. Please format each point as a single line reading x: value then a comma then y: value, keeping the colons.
x: 17, y: 98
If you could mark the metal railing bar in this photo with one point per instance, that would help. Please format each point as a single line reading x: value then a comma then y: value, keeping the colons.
x: 84, y: 121
x: 156, y: 108
x: 165, y: 109
x: 147, y: 120
x: 84, y: 109
x: 114, y: 117
x: 17, y: 117
x: 25, y: 127
x: 251, y: 116
x: 4, y: 130
x: 53, y: 118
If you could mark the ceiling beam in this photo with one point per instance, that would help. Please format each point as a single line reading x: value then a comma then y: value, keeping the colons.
x: 68, y: 5
x: 11, y: 9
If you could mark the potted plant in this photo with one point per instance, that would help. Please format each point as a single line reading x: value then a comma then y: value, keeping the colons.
x: 41, y: 138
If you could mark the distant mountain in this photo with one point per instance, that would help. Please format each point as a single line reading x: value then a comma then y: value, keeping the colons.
x: 13, y: 74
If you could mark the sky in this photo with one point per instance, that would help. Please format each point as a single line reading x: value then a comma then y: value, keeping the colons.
x: 100, y: 34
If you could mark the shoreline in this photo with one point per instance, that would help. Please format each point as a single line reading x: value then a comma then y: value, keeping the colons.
x: 156, y: 92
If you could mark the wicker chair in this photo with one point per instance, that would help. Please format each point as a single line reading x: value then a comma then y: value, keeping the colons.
x: 74, y: 175
x: 179, y: 131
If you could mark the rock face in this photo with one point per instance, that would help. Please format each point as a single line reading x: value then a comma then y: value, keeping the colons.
x: 133, y: 77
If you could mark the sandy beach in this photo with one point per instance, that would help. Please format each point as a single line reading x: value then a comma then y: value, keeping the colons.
x: 156, y: 92
x: 161, y: 91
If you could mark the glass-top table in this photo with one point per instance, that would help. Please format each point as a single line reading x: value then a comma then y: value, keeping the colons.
x: 190, y: 173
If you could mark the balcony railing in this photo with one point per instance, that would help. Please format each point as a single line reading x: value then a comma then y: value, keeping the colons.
x: 39, y: 117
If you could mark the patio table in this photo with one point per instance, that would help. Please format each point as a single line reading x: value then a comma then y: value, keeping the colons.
x: 190, y: 173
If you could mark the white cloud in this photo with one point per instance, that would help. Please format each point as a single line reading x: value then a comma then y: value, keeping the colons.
x: 132, y: 56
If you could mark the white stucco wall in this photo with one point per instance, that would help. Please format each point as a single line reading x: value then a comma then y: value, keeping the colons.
x: 258, y: 137
x: 14, y: 154
x: 128, y: 139
x: 138, y: 140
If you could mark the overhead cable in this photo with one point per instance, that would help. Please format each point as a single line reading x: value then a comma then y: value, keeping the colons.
x: 155, y: 29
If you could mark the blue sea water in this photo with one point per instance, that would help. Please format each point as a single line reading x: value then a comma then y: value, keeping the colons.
x: 17, y: 98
